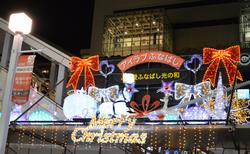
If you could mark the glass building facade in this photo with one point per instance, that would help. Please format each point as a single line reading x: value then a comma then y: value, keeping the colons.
x: 138, y: 31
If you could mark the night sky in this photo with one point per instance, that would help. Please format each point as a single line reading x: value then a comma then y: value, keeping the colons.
x: 66, y: 24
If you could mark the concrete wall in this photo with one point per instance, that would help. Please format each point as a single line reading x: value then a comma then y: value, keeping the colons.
x: 213, y: 36
x: 210, y: 12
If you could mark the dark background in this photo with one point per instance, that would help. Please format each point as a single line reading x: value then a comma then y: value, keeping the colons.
x: 63, y: 24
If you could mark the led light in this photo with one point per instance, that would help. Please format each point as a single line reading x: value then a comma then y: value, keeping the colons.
x: 40, y: 116
x: 79, y: 105
x: 20, y: 22
x: 128, y: 78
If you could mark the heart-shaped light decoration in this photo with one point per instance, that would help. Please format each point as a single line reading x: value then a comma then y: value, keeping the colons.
x: 106, y: 69
x: 188, y: 63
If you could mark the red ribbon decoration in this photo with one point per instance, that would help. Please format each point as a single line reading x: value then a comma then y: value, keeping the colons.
x: 230, y: 57
x: 146, y: 108
x: 77, y: 66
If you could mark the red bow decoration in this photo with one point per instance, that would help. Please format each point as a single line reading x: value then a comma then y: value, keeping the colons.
x: 146, y: 108
x: 77, y: 66
x: 230, y: 57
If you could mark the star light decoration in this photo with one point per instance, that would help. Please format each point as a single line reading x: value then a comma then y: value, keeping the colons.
x: 130, y: 89
x: 166, y: 87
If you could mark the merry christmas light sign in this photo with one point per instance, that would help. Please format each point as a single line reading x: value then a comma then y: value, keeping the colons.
x: 102, y: 131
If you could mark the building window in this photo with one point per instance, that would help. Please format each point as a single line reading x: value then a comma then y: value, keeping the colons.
x: 245, y: 25
x: 133, y: 32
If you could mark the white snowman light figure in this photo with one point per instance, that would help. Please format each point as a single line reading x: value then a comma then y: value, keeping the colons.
x: 79, y: 105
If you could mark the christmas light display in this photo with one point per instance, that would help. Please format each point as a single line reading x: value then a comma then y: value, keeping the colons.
x: 185, y: 92
x: 104, y: 94
x: 106, y: 69
x: 229, y: 57
x: 171, y: 116
x: 166, y: 87
x: 194, y: 58
x: 87, y: 135
x: 195, y: 113
x: 16, y: 112
x: 40, y: 116
x: 76, y: 67
x: 130, y: 89
x: 220, y: 101
x: 146, y: 106
x: 240, y: 113
x: 79, y: 105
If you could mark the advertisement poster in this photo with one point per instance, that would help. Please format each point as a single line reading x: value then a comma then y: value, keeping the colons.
x: 23, y: 77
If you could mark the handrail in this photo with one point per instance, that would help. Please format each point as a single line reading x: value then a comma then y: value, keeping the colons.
x: 53, y: 102
x: 48, y: 50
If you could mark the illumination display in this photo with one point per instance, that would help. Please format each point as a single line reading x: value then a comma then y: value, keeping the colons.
x: 130, y: 89
x: 188, y: 63
x: 77, y: 65
x: 195, y: 113
x: 86, y: 134
x: 146, y: 108
x: 128, y: 78
x: 243, y: 93
x: 16, y: 112
x: 104, y: 94
x: 229, y: 57
x: 106, y: 68
x: 184, y: 92
x: 79, y: 105
x: 171, y: 116
x: 166, y: 87
x: 40, y: 116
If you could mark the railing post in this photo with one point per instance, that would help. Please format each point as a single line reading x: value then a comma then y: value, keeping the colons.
x: 52, y: 74
x: 6, y: 50
x: 60, y: 89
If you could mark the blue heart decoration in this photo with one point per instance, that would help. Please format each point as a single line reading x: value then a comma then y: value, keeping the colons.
x: 189, y: 62
x: 106, y: 69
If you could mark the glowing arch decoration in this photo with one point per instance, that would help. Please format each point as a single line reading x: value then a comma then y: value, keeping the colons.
x: 151, y: 57
x: 229, y: 57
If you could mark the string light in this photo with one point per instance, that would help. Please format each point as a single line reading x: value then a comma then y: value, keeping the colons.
x: 22, y: 136
x: 209, y: 138
x: 165, y: 137
x: 195, y: 139
x: 169, y: 138
x: 184, y: 138
x: 213, y: 137
x: 33, y: 136
x: 55, y: 135
x: 180, y: 137
x: 199, y: 138
x: 155, y: 137
x: 44, y: 136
